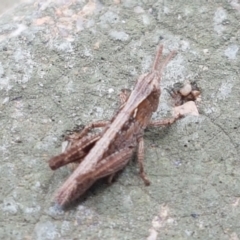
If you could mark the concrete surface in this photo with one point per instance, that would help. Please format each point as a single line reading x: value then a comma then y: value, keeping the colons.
x: 7, y: 5
x: 62, y: 64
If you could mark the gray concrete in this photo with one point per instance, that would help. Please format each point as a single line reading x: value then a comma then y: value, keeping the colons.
x: 62, y: 64
x: 7, y: 5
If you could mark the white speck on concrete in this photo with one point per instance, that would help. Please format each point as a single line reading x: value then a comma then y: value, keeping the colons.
x: 87, y: 52
x: 109, y: 17
x: 231, y: 51
x: 37, y: 185
x: 184, y: 45
x: 128, y: 202
x: 225, y: 90
x: 235, y: 4
x: 1, y: 69
x: 18, y: 110
x: 210, y: 109
x: 80, y: 24
x: 160, y: 221
x: 5, y: 84
x: 166, y: 10
x: 145, y: 19
x: 65, y: 227
x: 119, y: 35
x: 146, y: 63
x: 206, y: 51
x: 188, y: 10
x: 9, y: 206
x: 90, y: 23
x: 46, y: 230
x: 4, y: 150
x: 188, y: 232
x: 55, y: 210
x: 110, y: 90
x: 219, y: 16
x: 66, y: 47
x: 138, y: 10
x: 175, y: 71
x: 99, y: 111
x: 26, y: 66
x: 32, y: 209
x: 70, y: 87
x: 18, y: 31
x: 18, y: 55
x: 5, y: 100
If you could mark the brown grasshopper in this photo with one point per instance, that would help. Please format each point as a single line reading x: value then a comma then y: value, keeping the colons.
x: 104, y: 154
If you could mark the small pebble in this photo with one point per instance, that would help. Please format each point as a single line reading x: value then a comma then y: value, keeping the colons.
x: 186, y: 89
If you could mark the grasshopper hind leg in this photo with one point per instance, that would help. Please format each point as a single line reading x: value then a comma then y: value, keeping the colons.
x: 140, y: 157
x: 108, y: 166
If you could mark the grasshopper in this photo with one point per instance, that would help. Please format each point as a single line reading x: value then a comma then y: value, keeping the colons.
x: 104, y: 154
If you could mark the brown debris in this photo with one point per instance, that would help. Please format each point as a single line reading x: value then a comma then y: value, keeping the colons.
x: 185, y: 97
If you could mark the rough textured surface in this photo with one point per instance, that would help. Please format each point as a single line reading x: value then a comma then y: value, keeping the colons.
x: 62, y: 64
